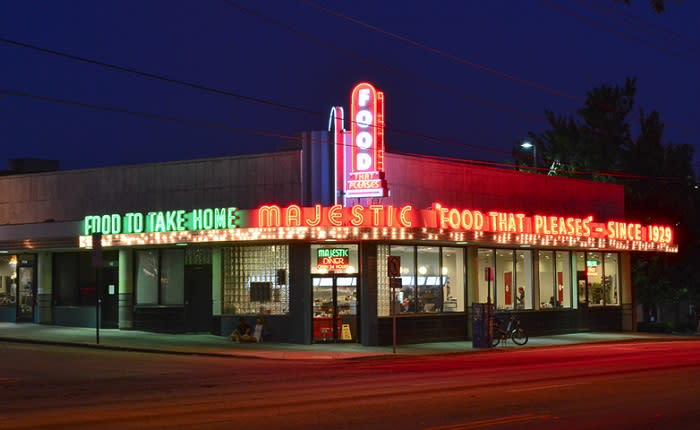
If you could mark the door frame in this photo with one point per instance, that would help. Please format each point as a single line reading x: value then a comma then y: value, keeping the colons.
x: 334, y: 291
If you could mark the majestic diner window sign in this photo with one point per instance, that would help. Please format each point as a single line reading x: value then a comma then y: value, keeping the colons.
x: 374, y: 222
x: 333, y: 258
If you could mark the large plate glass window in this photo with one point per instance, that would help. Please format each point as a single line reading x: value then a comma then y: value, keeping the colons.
x: 505, y: 280
x: 486, y: 274
x: 523, y: 279
x: 160, y: 277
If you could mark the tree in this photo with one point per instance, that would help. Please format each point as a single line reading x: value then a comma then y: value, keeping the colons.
x: 658, y: 5
x: 659, y: 180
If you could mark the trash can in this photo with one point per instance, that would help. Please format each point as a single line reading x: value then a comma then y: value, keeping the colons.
x: 481, y: 325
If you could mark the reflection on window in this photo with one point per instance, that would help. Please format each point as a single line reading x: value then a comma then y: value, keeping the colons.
x: 8, y: 280
x: 147, y: 275
x: 504, y: 280
x: 611, y: 280
x: 523, y: 279
x: 485, y: 274
x: 597, y: 278
x: 548, y: 298
x: 172, y: 276
x: 255, y: 280
x: 562, y: 265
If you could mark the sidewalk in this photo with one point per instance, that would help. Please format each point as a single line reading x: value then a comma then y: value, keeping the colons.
x: 211, y: 345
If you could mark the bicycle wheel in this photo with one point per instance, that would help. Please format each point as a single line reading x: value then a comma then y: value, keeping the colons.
x: 519, y: 336
x: 496, y: 339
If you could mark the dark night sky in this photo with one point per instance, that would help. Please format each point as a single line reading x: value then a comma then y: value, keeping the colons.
x: 480, y: 79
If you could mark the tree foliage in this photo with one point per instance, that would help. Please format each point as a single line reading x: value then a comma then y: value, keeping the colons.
x: 598, y: 143
x: 658, y: 5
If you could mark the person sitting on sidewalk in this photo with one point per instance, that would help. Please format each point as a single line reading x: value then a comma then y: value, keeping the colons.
x: 242, y: 333
x: 242, y: 329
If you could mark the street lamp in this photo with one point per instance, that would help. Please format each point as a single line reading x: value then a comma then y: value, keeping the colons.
x: 527, y: 145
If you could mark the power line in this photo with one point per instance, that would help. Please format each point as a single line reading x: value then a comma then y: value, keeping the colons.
x: 157, y: 77
x: 221, y: 92
x: 461, y: 60
x: 442, y: 53
x: 557, y: 6
x: 153, y: 116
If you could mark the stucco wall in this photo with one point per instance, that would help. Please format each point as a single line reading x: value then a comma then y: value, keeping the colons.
x: 422, y: 181
x: 244, y: 182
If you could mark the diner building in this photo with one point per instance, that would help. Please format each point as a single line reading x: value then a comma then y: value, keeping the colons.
x: 326, y: 243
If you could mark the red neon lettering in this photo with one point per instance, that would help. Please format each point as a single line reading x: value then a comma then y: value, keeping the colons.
x: 269, y: 216
x: 293, y: 216
x: 317, y: 216
x: 357, y: 215
x: 376, y: 212
x: 405, y: 216
x: 335, y: 215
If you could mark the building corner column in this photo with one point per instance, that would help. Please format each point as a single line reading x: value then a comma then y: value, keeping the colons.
x: 126, y: 289
x: 44, y: 294
x: 627, y: 293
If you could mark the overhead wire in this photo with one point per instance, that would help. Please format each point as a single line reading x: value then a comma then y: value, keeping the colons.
x: 212, y: 125
x: 471, y: 63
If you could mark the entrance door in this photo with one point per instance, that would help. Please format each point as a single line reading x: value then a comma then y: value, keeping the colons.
x: 198, y: 299
x: 109, y: 291
x: 334, y: 308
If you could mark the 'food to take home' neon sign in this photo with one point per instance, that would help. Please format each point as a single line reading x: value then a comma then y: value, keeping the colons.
x: 366, y: 162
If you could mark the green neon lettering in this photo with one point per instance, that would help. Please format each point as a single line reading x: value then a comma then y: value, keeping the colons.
x: 208, y: 219
x: 138, y: 223
x: 181, y: 224
x: 170, y: 218
x: 196, y: 221
x: 231, y: 217
x: 160, y: 223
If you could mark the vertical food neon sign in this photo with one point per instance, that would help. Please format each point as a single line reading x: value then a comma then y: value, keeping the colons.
x: 366, y: 175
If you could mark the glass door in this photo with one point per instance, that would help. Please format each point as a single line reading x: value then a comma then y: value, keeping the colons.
x: 334, y: 308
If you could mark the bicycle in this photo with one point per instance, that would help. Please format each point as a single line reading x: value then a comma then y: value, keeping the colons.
x: 513, y: 331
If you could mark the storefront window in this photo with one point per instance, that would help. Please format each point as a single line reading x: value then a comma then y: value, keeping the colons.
x: 432, y: 280
x: 429, y: 280
x: 581, y: 278
x: 256, y: 280
x: 486, y: 274
x: 453, y: 279
x: 147, y: 275
x: 406, y: 297
x: 172, y: 279
x: 546, y: 280
x: 8, y: 280
x: 594, y: 273
x: 504, y: 296
x: 523, y: 279
x: 611, y: 281
x: 562, y: 265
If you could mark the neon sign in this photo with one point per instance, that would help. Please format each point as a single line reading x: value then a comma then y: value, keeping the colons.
x: 373, y: 222
x: 366, y: 162
x: 162, y: 221
x: 333, y: 258
x: 458, y: 220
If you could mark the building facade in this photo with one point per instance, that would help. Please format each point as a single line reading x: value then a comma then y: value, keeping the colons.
x: 322, y: 250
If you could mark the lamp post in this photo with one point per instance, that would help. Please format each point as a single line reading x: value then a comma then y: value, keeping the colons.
x: 527, y: 145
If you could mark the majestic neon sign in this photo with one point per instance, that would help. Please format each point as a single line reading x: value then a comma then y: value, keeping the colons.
x: 457, y: 219
x: 373, y: 222
x: 366, y: 162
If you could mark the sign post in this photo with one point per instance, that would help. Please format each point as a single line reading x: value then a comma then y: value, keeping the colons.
x: 394, y: 272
